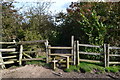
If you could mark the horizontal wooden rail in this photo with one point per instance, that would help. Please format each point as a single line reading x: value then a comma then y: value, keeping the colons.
x: 32, y: 59
x: 114, y: 55
x: 59, y: 47
x: 31, y: 51
x: 90, y: 53
x: 89, y: 60
x: 114, y: 47
x: 7, y: 42
x: 7, y: 62
x: 88, y: 45
x: 7, y: 50
x: 31, y: 42
x: 9, y: 57
x: 60, y: 54
x: 114, y: 62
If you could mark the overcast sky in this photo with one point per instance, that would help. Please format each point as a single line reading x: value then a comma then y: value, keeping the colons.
x: 57, y: 5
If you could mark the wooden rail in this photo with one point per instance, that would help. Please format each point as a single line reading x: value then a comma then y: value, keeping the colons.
x: 88, y: 45
x: 8, y: 50
x: 59, y: 47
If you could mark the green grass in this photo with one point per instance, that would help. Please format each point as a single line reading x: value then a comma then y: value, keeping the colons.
x: 93, y: 68
x: 112, y: 69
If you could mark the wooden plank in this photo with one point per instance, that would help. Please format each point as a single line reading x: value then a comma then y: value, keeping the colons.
x: 20, y: 55
x: 60, y: 47
x: 1, y: 61
x: 27, y: 55
x: 95, y: 61
x: 72, y: 45
x: 7, y: 42
x: 74, y: 51
x: 90, y: 53
x: 88, y: 45
x: 67, y: 61
x: 104, y: 50
x: 114, y: 62
x: 31, y: 42
x: 32, y: 59
x: 7, y: 62
x: 78, y: 56
x: 47, y: 53
x: 107, y: 55
x: 9, y: 57
x: 113, y: 47
x: 60, y: 54
x: 8, y: 50
x: 114, y: 55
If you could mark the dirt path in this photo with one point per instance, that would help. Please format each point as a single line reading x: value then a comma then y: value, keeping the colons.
x: 34, y: 71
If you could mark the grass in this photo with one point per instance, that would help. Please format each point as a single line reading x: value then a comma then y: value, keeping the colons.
x: 92, y: 68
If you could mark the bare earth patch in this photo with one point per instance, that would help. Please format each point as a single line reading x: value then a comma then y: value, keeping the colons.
x: 34, y: 71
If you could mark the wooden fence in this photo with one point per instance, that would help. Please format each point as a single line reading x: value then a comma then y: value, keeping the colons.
x: 16, y: 51
x: 17, y: 54
x: 105, y: 53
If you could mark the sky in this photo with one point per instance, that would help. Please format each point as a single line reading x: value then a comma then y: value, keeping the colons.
x: 57, y: 5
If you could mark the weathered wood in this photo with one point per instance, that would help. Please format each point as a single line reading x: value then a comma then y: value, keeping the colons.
x: 90, y: 53
x: 67, y: 61
x: 88, y: 45
x: 7, y: 62
x: 114, y: 62
x: 27, y: 55
x: 7, y: 43
x: 1, y: 61
x: 107, y: 55
x: 57, y: 54
x: 7, y: 50
x: 20, y: 55
x: 85, y: 60
x: 114, y: 55
x: 31, y: 42
x: 72, y: 50
x: 78, y: 56
x: 60, y: 48
x: 32, y: 59
x: 9, y: 57
x: 104, y: 51
x: 46, y: 45
x: 30, y: 51
x: 113, y: 47
x: 49, y: 52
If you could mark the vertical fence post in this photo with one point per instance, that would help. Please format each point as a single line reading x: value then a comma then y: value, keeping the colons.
x: 72, y: 50
x: 74, y: 53
x: 104, y: 51
x: 20, y: 55
x: 1, y: 61
x: 78, y: 57
x: 46, y: 45
x: 107, y: 55
x: 49, y: 52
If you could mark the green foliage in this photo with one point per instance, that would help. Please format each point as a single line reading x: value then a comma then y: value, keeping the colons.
x: 113, y: 69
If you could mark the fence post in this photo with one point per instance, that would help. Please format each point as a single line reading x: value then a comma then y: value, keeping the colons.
x: 74, y: 53
x: 49, y: 52
x: 107, y: 55
x: 78, y: 57
x: 72, y: 50
x: 46, y: 45
x: 1, y: 61
x: 104, y: 51
x: 20, y: 55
